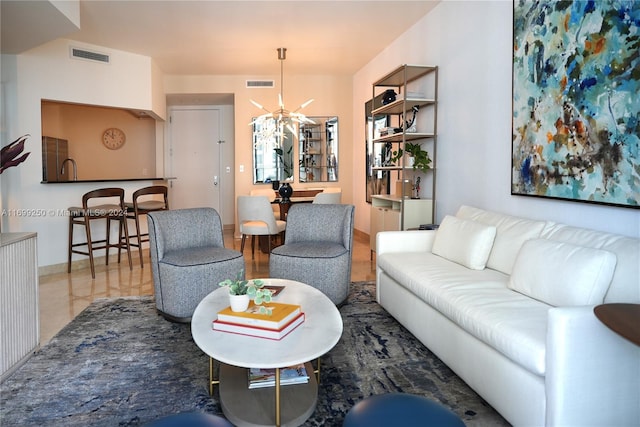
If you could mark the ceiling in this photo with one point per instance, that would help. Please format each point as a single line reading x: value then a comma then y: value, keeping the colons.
x: 223, y: 37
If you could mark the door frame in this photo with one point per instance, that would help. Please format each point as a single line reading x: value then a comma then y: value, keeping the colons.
x: 226, y: 180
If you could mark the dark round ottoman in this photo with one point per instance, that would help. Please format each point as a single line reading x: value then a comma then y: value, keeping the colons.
x: 191, y: 419
x: 400, y: 409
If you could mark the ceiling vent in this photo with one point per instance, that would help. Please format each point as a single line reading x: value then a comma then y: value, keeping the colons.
x: 260, y: 83
x: 89, y: 55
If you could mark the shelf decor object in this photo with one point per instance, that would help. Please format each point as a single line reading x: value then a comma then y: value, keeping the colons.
x: 575, y: 131
x: 285, y: 191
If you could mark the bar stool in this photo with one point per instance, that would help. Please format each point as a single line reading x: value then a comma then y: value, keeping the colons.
x: 143, y: 207
x: 89, y: 212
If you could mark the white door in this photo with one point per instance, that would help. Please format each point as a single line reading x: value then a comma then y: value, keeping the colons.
x: 195, y: 157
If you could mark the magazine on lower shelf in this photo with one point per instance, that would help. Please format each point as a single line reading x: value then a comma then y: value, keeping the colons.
x: 259, y: 377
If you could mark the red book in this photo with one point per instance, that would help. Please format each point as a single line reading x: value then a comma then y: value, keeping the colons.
x: 256, y: 331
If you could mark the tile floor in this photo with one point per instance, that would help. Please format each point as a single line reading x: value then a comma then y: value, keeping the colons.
x: 63, y: 296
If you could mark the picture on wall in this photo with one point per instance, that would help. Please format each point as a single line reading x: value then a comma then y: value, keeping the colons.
x: 576, y: 101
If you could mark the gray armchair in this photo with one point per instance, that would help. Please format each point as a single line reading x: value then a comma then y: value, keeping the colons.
x: 317, y: 249
x: 188, y: 259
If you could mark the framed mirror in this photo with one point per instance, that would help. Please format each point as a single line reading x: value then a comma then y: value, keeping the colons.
x: 272, y: 152
x: 318, y: 150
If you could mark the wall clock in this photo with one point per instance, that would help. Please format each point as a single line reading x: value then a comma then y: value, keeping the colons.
x: 113, y: 138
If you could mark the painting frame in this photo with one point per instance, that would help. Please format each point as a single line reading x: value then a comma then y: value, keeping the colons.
x: 575, y: 108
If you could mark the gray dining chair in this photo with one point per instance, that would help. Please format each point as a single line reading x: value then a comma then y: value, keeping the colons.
x: 334, y: 197
x: 188, y: 259
x: 318, y: 248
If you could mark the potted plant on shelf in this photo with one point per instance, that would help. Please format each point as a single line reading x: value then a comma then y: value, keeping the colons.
x: 421, y: 160
x: 418, y: 160
x: 242, y: 291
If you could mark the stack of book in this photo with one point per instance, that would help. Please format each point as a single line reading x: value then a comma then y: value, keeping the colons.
x: 283, y: 319
x: 259, y: 378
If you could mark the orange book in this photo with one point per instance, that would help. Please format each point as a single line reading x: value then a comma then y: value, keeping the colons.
x: 281, y: 314
x: 256, y: 331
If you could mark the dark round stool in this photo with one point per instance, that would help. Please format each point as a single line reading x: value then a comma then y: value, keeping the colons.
x: 400, y: 409
x: 191, y: 419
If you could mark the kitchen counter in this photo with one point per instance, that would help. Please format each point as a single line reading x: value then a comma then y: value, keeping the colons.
x: 107, y: 180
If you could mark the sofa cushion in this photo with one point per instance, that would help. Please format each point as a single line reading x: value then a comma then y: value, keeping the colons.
x: 625, y: 284
x: 478, y: 301
x: 465, y: 242
x: 199, y: 256
x: 562, y: 274
x: 311, y: 250
x: 511, y: 233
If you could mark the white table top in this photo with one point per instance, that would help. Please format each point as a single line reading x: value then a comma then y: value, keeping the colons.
x: 319, y: 333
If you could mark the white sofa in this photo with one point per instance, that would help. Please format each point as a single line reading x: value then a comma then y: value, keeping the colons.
x: 507, y: 303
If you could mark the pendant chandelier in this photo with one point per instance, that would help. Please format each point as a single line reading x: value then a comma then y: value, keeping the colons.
x: 283, y: 117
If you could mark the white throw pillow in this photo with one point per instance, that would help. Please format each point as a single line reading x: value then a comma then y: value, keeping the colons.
x: 562, y: 274
x: 464, y: 242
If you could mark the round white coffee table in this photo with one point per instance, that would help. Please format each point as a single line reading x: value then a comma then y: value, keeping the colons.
x: 288, y: 405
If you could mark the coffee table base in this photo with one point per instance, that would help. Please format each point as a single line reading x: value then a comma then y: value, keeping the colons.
x: 257, y: 407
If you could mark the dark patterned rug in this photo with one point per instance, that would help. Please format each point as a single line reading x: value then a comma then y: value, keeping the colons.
x: 120, y: 364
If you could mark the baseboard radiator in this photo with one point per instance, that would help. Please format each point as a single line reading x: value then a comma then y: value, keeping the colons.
x: 19, y: 319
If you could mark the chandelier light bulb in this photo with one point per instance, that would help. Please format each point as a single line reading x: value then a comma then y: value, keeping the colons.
x: 283, y: 117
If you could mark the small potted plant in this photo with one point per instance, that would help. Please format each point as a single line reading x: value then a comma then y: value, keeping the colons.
x: 418, y: 159
x: 242, y: 291
x: 421, y: 160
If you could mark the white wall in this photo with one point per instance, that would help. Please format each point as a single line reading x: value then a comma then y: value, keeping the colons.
x: 331, y: 94
x: 471, y: 43
x: 47, y: 72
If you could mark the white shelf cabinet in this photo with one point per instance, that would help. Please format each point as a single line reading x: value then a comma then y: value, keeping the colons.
x: 386, y: 213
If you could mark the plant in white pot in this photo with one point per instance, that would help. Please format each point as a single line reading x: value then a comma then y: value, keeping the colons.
x: 242, y: 291
x: 418, y: 160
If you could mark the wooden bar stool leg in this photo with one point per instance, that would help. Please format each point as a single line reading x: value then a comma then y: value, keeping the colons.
x: 139, y: 240
x: 120, y: 240
x: 123, y: 226
x: 70, y: 243
x: 87, y: 228
x: 108, y: 240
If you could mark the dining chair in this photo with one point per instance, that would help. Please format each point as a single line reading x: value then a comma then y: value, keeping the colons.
x: 328, y: 198
x: 271, y: 195
x: 101, y: 204
x: 142, y: 203
x: 256, y: 218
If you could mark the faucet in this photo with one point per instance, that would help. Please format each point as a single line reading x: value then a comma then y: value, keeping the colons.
x: 75, y: 167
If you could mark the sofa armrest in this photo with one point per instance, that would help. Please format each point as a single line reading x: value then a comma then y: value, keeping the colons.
x: 593, y: 374
x: 405, y: 241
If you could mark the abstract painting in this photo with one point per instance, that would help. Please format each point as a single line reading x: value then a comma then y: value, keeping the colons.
x: 576, y: 100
